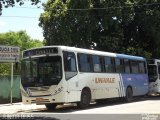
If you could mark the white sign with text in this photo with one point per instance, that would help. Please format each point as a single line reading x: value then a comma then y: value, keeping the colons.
x: 9, y: 54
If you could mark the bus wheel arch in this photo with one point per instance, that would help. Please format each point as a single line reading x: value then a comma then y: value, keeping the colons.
x: 85, y: 98
x: 129, y: 94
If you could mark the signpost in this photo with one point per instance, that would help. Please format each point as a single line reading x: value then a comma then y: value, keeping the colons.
x: 10, y: 54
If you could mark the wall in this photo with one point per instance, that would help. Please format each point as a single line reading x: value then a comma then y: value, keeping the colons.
x: 5, y: 86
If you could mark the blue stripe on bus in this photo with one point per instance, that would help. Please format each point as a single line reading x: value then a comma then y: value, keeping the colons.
x: 130, y: 57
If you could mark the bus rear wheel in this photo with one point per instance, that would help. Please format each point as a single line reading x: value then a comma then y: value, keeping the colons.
x: 85, y: 99
x: 51, y: 106
x: 129, y: 94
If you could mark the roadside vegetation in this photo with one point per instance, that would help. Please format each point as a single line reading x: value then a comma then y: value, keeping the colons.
x: 20, y: 39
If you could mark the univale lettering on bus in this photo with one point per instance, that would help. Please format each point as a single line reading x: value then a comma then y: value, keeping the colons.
x: 104, y: 80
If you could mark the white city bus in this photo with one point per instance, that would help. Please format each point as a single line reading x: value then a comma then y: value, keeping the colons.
x: 53, y: 75
x: 154, y: 76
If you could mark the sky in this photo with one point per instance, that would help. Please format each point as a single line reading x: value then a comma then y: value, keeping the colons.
x: 24, y: 17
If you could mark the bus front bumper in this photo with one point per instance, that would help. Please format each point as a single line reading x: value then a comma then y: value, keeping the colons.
x: 60, y: 98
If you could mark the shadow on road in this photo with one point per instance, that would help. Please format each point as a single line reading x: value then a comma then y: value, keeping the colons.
x: 72, y: 108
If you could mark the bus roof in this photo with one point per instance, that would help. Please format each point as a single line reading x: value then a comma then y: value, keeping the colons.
x: 95, y: 52
x: 81, y: 50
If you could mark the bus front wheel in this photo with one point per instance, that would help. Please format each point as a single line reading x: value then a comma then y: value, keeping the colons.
x: 129, y: 94
x: 51, y: 106
x: 85, y: 99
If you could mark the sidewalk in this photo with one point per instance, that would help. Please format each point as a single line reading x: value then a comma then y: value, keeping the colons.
x: 19, y: 107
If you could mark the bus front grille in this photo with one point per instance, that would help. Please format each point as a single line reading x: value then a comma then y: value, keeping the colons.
x: 40, y: 102
x: 39, y: 91
x: 35, y: 89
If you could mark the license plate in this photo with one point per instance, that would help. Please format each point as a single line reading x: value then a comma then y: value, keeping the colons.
x: 39, y: 99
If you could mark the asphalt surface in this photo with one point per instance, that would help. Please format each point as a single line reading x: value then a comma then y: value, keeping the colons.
x: 146, y: 108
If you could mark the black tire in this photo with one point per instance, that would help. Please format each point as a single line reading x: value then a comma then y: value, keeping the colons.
x: 129, y: 94
x: 51, y: 106
x: 85, y: 99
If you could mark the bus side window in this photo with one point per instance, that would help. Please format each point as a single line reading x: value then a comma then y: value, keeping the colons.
x: 102, y: 62
x: 142, y: 67
x: 69, y: 65
x: 158, y: 68
x: 109, y: 64
x: 84, y: 62
x: 127, y: 66
x: 134, y: 67
x: 96, y: 63
x: 119, y: 65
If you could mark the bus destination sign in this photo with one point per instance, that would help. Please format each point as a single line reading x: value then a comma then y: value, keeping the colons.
x: 41, y: 51
x: 9, y: 54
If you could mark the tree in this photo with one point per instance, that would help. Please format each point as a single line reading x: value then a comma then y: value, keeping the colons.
x: 63, y: 27
x: 11, y: 3
x: 149, y: 26
x: 79, y: 23
x: 20, y: 39
x: 124, y: 26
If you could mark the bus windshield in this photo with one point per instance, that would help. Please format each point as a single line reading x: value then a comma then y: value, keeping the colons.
x: 152, y: 73
x: 42, y: 71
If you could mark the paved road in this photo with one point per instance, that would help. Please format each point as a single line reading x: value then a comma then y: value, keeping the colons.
x: 140, y: 108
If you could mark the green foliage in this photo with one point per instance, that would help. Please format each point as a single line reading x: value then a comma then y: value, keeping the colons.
x: 125, y: 26
x: 20, y: 39
x: 64, y: 27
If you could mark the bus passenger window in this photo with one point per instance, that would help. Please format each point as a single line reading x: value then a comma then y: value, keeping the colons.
x: 109, y: 66
x: 158, y: 67
x: 134, y: 67
x: 152, y: 73
x: 69, y: 65
x: 119, y: 65
x: 96, y: 63
x: 84, y: 63
x: 127, y: 66
x: 142, y: 67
